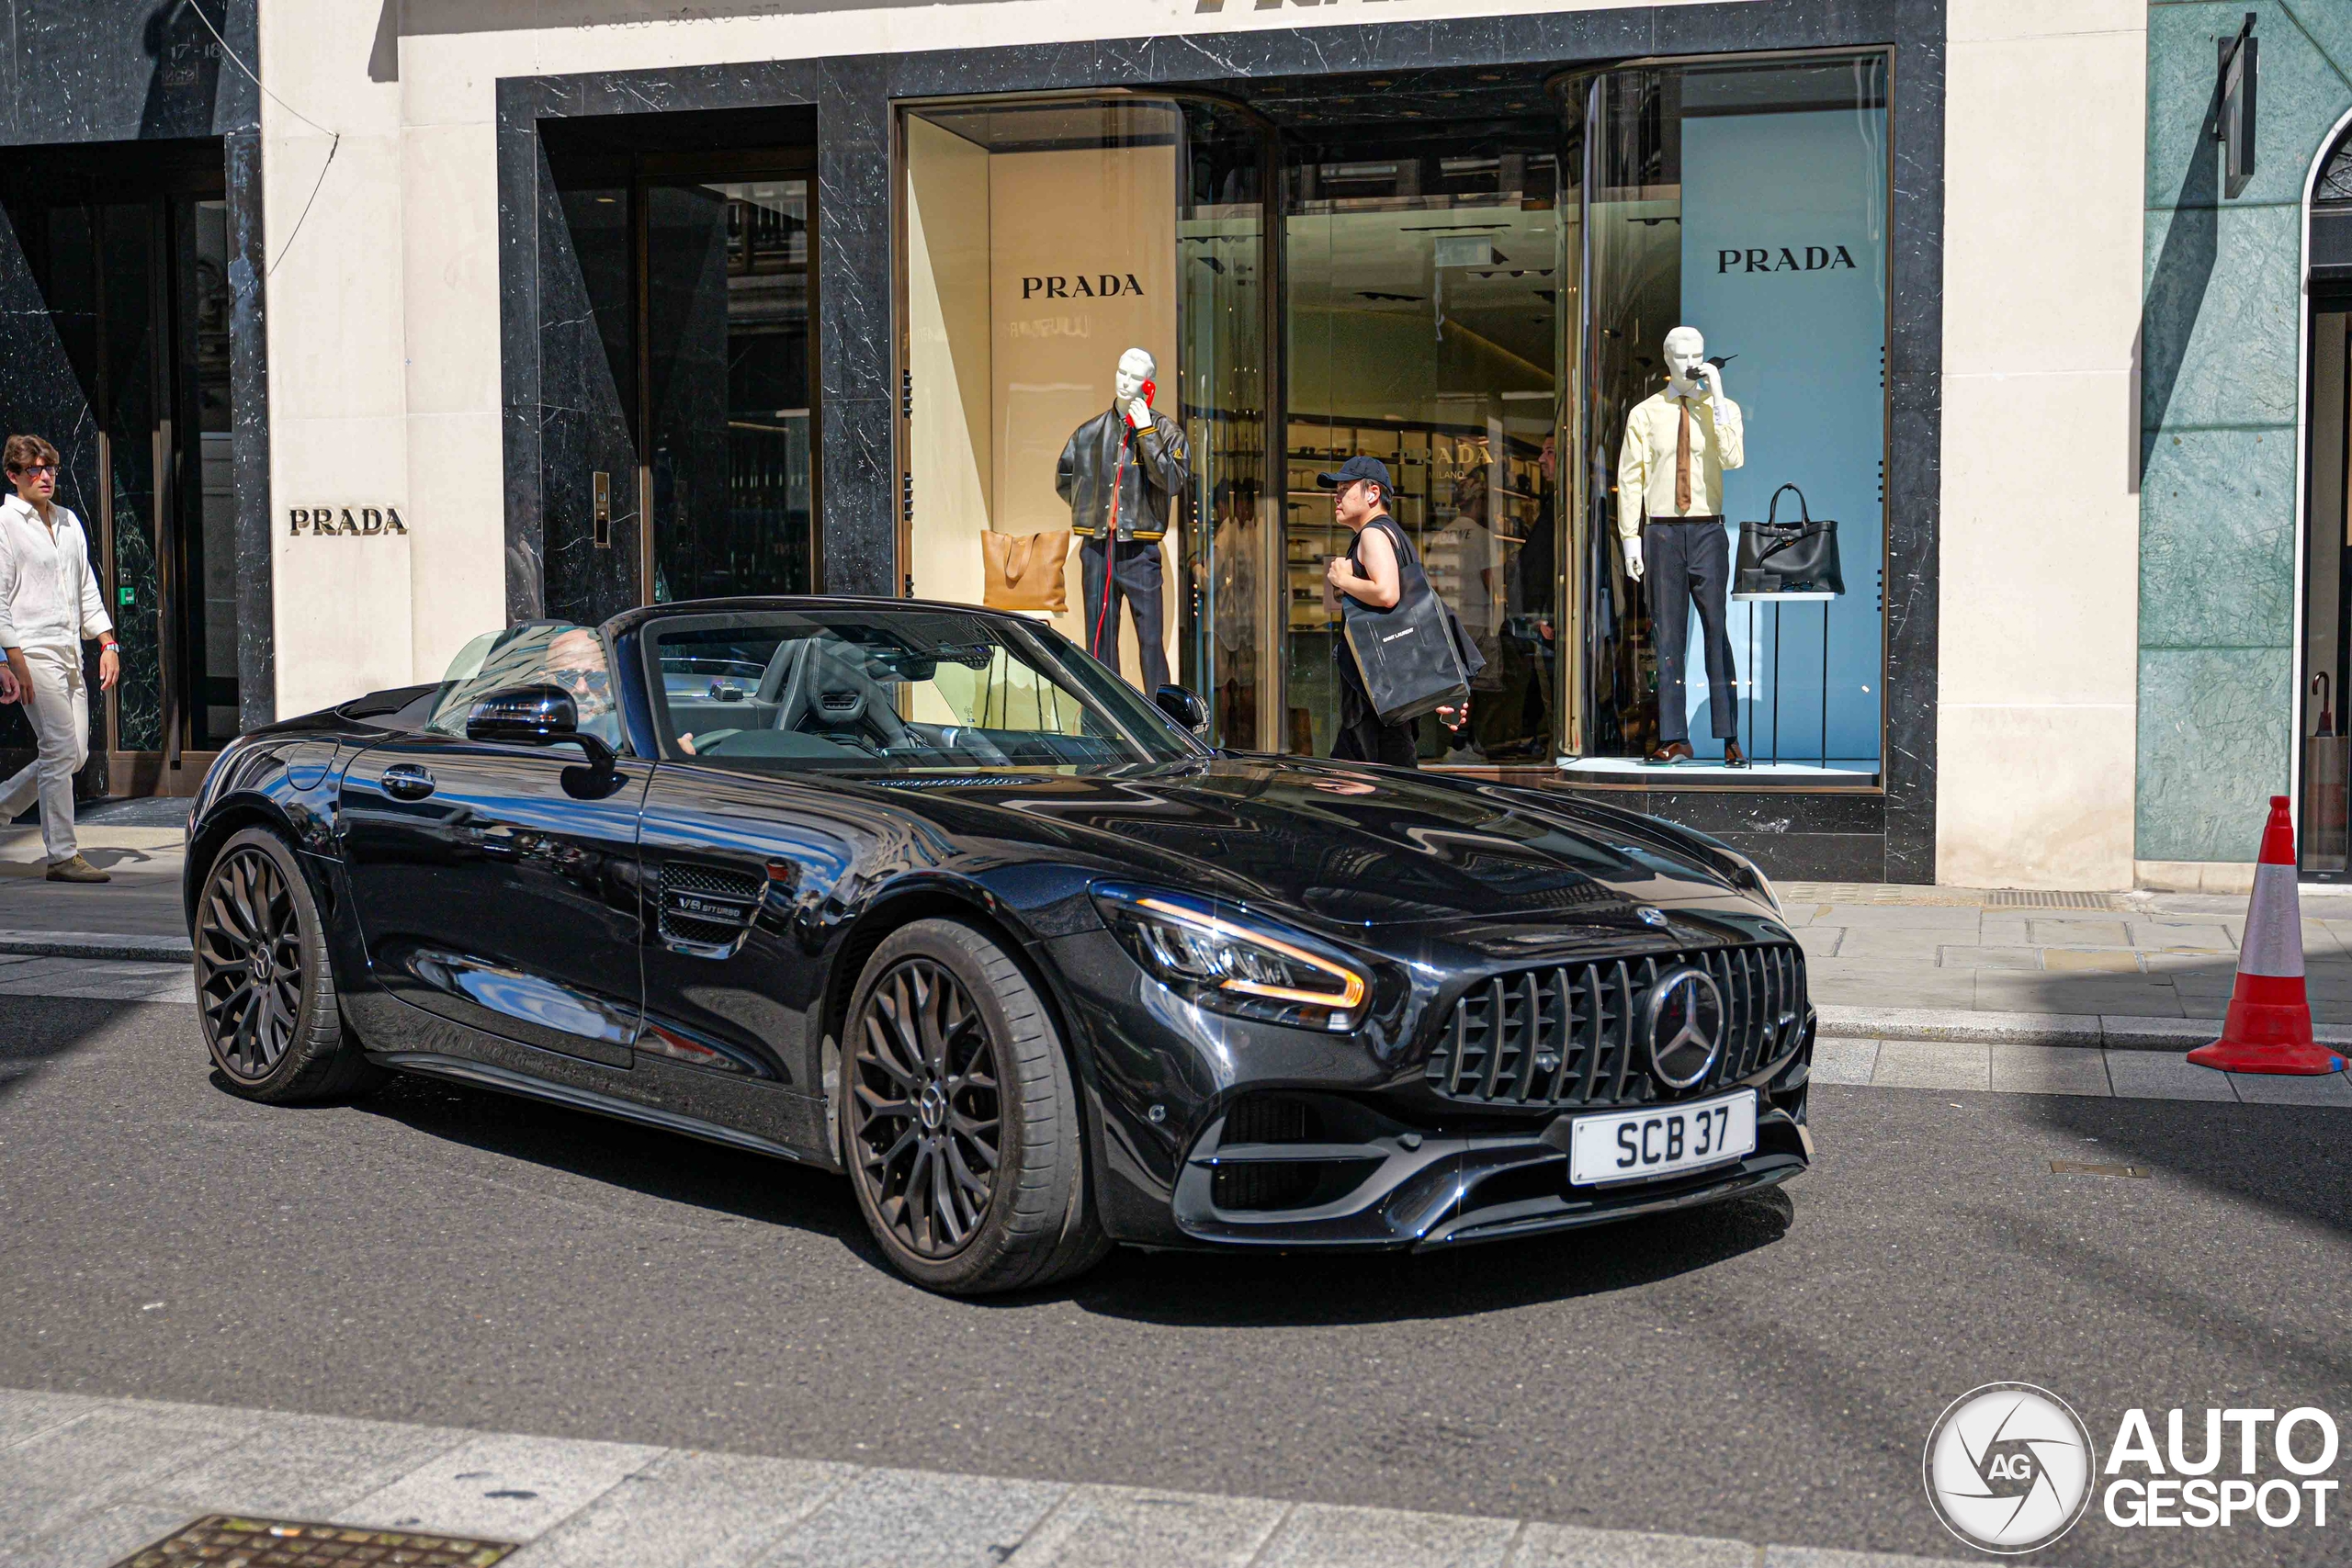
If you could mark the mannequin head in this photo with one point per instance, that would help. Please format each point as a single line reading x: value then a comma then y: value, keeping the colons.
x: 1136, y: 367
x: 1685, y: 352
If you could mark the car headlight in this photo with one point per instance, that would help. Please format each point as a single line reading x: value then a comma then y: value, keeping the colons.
x: 1215, y: 955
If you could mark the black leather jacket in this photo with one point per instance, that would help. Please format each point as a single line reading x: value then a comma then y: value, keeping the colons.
x: 1154, y: 468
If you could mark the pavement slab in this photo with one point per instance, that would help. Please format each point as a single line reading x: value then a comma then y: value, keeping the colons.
x: 1564, y: 1546
x: 1110, y: 1526
x: 1930, y: 1064
x: 2141, y: 1075
x: 691, y: 1510
x: 687, y: 1508
x: 507, y: 1488
x: 1321, y: 1536
x: 304, y: 1467
x: 909, y: 1519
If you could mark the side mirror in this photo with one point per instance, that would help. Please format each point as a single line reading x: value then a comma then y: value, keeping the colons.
x: 534, y: 716
x: 1184, y: 706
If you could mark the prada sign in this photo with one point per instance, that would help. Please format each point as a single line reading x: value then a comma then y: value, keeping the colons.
x: 1785, y: 258
x: 362, y: 520
x: 1102, y: 286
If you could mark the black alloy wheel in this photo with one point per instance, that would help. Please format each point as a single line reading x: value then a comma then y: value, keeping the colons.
x: 925, y: 1118
x: 248, y: 963
x: 960, y: 1117
x: 264, y: 991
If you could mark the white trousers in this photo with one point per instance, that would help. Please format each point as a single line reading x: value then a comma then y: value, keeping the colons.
x: 59, y: 712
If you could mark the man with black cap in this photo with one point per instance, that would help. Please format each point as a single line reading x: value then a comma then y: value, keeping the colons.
x: 1371, y: 573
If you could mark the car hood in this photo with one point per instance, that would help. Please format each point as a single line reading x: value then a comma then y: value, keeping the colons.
x: 1356, y: 847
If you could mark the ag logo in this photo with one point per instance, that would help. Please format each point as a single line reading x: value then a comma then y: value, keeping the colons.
x: 2008, y: 1468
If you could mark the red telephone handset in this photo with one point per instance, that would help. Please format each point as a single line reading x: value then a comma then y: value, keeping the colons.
x: 1148, y: 389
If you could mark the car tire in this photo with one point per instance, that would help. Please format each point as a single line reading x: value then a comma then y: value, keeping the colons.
x: 264, y: 991
x: 950, y: 1055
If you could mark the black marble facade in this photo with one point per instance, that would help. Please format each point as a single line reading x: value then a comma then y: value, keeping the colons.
x: 95, y: 73
x: 1843, y: 835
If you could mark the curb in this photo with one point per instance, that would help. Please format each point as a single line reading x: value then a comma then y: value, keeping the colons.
x: 2113, y: 1032
x: 98, y: 945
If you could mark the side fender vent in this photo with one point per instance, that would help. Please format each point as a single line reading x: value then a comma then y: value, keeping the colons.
x: 705, y: 911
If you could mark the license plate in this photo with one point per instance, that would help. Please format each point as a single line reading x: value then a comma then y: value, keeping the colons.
x: 1640, y: 1146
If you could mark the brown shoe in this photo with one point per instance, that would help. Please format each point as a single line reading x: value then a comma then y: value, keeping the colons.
x: 76, y: 869
x: 1732, y: 756
x: 1672, y: 751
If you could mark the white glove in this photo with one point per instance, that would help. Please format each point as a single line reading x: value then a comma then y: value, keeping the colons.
x: 1140, y: 413
x: 1634, y: 557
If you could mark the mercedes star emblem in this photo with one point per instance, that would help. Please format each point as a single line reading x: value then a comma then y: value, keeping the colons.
x: 1683, y: 1020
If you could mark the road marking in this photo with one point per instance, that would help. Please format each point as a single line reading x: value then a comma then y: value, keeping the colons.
x: 581, y: 1504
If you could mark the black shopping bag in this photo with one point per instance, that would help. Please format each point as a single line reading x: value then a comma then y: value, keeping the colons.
x: 1411, y: 654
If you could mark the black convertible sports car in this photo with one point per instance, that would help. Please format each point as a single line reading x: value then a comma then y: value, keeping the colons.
x: 922, y: 893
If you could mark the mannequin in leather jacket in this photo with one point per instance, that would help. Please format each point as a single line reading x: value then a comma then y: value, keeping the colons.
x: 1156, y: 470
x: 1122, y: 472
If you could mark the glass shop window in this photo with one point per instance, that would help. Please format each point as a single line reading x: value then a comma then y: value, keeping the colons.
x: 1046, y: 243
x: 1748, y: 202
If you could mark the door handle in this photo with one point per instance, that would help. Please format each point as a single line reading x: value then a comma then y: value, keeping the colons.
x: 406, y: 780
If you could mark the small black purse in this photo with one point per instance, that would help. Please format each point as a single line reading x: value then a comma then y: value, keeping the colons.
x: 1788, y: 558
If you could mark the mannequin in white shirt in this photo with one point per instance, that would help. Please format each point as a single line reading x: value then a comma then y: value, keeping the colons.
x: 1688, y: 375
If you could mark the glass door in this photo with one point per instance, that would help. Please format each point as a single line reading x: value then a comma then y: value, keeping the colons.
x: 2324, y: 816
x: 1421, y: 317
x: 205, y: 604
x: 136, y: 286
x: 727, y: 375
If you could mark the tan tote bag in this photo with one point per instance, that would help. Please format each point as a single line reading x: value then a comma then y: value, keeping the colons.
x: 1023, y: 571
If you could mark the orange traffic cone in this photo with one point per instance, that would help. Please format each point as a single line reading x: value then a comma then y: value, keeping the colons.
x: 2268, y: 1026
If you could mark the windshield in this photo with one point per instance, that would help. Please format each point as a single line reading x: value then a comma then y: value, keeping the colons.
x: 878, y: 689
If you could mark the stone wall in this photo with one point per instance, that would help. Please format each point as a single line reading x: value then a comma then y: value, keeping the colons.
x: 2220, y: 338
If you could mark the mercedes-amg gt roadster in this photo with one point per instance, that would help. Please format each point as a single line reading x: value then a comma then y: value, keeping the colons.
x: 923, y: 894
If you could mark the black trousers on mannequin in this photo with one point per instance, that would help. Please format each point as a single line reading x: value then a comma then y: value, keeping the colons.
x: 1689, y: 562
x: 1134, y: 576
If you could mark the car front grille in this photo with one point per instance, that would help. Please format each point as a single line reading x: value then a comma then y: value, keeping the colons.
x: 1565, y: 1035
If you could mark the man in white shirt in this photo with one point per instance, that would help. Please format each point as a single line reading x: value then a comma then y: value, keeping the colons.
x: 49, y: 602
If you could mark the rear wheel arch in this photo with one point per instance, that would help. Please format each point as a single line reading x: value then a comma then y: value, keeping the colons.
x: 223, y: 823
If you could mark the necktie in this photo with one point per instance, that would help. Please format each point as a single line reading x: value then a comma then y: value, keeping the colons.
x: 1683, y: 459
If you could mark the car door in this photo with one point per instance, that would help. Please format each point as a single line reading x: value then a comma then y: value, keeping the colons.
x: 496, y: 885
x: 745, y: 877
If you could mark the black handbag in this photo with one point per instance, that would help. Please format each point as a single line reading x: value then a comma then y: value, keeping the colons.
x: 1789, y: 558
x: 1409, y: 655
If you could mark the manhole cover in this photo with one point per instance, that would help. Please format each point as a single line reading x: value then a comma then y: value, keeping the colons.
x: 228, y: 1541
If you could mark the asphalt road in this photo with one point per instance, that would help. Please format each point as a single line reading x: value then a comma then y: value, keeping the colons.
x: 1767, y: 1369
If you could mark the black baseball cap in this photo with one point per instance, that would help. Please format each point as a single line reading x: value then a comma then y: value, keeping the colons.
x: 1356, y: 468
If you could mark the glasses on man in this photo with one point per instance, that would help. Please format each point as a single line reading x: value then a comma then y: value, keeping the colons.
x: 30, y: 469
